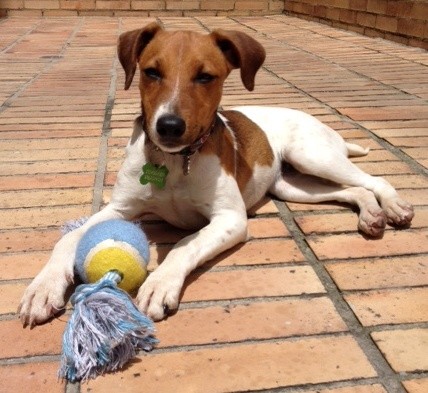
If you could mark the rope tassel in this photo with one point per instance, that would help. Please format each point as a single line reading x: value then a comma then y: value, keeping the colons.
x: 104, y: 332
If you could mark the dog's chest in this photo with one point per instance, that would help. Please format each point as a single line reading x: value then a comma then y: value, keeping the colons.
x: 179, y: 201
x: 175, y: 205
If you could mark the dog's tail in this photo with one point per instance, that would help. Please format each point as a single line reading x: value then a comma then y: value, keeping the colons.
x: 356, y: 150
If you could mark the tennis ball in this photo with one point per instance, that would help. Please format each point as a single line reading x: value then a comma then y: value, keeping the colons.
x: 114, y: 245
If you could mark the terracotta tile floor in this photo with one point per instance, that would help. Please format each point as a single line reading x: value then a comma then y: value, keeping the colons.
x: 308, y: 304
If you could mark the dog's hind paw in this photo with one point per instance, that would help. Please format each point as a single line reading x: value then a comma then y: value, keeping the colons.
x: 398, y: 212
x: 372, y: 222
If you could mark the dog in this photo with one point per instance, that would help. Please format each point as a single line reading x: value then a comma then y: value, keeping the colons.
x: 203, y: 169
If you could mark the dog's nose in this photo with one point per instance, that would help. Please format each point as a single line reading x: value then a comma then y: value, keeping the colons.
x: 170, y: 126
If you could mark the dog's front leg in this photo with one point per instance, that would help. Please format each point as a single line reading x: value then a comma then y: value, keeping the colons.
x: 45, y: 295
x: 161, y: 291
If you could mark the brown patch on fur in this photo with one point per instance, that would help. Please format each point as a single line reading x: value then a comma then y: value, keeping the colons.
x: 252, y: 147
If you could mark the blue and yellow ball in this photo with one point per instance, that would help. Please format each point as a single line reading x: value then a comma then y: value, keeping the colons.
x: 114, y: 245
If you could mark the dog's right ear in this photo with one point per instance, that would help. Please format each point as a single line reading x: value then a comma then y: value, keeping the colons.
x: 130, y: 46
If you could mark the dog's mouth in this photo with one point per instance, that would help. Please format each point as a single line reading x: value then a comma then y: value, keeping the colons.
x: 170, y: 146
x: 174, y: 146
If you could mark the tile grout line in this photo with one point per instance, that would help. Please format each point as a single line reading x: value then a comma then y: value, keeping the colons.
x: 27, y: 33
x: 54, y: 60
x: 385, y: 373
x: 101, y: 170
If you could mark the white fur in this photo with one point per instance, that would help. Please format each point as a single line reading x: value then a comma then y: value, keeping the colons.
x: 210, y: 198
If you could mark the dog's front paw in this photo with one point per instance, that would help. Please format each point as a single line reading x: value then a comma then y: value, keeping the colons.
x: 160, y: 293
x: 43, y: 298
x: 398, y: 211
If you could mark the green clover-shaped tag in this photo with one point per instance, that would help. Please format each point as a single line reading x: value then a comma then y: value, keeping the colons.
x: 154, y: 174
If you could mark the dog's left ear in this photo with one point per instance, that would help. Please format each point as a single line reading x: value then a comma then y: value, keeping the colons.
x: 241, y: 51
x: 130, y: 46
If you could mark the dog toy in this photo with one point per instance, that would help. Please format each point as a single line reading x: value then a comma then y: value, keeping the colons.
x: 106, y: 329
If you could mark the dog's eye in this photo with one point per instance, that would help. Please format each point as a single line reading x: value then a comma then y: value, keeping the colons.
x: 204, y: 77
x: 153, y: 73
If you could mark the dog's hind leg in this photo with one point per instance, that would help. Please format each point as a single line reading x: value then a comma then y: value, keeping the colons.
x: 310, y: 189
x: 327, y: 163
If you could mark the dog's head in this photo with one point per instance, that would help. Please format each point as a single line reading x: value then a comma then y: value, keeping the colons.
x: 181, y: 78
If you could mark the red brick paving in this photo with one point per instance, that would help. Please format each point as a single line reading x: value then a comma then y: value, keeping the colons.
x: 244, y: 367
x: 308, y: 304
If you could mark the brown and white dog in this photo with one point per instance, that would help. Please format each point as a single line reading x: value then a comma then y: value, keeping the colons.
x: 219, y: 163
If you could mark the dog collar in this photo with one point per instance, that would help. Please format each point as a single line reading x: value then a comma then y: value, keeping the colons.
x: 188, y: 151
